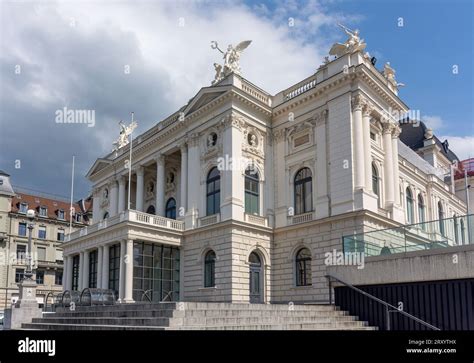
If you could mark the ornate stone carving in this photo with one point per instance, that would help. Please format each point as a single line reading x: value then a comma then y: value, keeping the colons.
x: 278, y: 135
x: 357, y: 102
x: 320, y: 117
x: 253, y: 141
x: 396, y: 131
x: 150, y: 189
x: 389, y: 74
x: 125, y: 131
x: 387, y: 127
x: 428, y: 134
x: 367, y: 108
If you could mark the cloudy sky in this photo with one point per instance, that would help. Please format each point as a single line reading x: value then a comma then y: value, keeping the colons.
x: 151, y: 57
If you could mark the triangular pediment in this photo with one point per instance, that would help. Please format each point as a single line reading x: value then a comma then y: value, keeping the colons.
x: 98, y: 165
x: 203, y: 97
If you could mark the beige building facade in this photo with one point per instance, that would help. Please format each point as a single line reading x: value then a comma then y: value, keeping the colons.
x: 238, y: 195
x: 50, y: 226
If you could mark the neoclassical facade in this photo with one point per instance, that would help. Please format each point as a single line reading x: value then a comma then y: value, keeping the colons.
x: 239, y: 194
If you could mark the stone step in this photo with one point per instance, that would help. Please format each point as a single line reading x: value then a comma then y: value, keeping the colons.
x: 48, y: 326
x: 192, y: 321
x: 194, y: 313
x: 198, y: 306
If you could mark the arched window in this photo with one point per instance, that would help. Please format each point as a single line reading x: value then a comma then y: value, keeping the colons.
x: 421, y: 211
x: 106, y: 215
x: 210, y: 269
x: 150, y: 209
x: 410, y: 216
x: 455, y: 226
x: 303, y: 267
x: 252, y: 191
x: 303, y: 191
x: 213, y: 192
x: 441, y: 218
x: 463, y: 232
x: 375, y: 183
x: 170, y: 211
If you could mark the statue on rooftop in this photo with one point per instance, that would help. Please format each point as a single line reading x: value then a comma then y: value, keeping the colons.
x: 389, y: 74
x: 231, y: 59
x: 125, y: 131
x: 353, y: 44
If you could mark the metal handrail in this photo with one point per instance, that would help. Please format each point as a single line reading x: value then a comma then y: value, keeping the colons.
x: 146, y: 294
x: 168, y: 294
x: 386, y: 304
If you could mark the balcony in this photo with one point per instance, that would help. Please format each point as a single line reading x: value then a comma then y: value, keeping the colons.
x: 134, y: 216
x: 256, y: 219
x: 301, y: 218
x: 414, y: 237
x: 208, y: 220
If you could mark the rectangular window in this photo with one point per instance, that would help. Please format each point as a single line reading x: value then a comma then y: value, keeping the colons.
x: 75, y: 272
x: 58, y: 277
x: 43, y: 212
x: 40, y: 277
x: 42, y: 232
x: 20, y: 252
x: 373, y: 136
x: 78, y: 218
x: 60, y: 234
x: 41, y: 254
x: 23, y: 208
x: 114, y: 268
x: 155, y: 267
x: 60, y: 214
x: 93, y: 269
x: 22, y: 229
x: 19, y: 274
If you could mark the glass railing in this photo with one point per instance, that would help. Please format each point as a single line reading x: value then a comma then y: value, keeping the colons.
x: 413, y: 237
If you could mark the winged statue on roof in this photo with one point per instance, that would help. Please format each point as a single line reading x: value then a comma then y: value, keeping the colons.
x: 125, y: 131
x: 231, y: 59
x: 353, y: 44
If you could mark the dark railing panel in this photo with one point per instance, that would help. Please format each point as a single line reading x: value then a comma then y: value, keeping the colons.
x: 448, y: 305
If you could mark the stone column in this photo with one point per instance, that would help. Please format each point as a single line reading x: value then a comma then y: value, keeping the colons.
x: 105, y: 267
x: 140, y: 187
x: 322, y: 199
x: 96, y: 206
x: 128, y: 293
x: 113, y: 195
x: 123, y: 252
x: 160, y: 185
x: 232, y: 179
x: 81, y: 271
x: 396, y: 176
x: 85, y: 275
x: 99, y: 267
x: 69, y: 274
x: 388, y: 164
x: 367, y: 110
x: 195, y: 194
x: 358, y: 141
x: 184, y: 179
x: 121, y: 194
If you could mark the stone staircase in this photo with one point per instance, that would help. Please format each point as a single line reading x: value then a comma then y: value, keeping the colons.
x: 199, y: 316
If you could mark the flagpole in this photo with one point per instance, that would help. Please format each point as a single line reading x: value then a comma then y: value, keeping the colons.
x: 72, y: 193
x: 130, y: 166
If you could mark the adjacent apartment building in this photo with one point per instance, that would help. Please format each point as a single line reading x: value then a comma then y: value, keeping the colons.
x: 50, y: 227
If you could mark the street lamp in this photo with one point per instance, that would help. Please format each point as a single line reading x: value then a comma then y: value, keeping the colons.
x: 30, y: 214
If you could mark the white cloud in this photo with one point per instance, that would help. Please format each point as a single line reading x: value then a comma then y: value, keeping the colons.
x: 463, y: 146
x: 433, y: 122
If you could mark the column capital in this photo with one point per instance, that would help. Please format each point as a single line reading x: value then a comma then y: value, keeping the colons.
x: 112, y: 182
x: 357, y: 102
x: 183, y: 146
x: 320, y: 117
x: 160, y: 158
x: 367, y: 108
x: 387, y: 127
x: 140, y: 170
x: 122, y: 179
x: 396, y: 131
x: 233, y: 120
